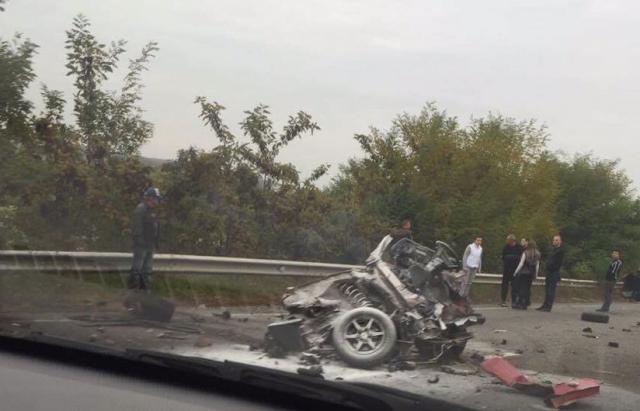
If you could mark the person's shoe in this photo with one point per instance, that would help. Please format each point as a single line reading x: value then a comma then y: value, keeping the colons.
x: 602, y: 310
x: 503, y: 304
x: 543, y: 308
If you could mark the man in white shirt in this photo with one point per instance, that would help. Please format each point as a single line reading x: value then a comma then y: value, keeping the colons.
x: 472, y: 263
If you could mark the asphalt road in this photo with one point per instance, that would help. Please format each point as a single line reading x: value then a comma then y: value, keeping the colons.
x: 547, y: 346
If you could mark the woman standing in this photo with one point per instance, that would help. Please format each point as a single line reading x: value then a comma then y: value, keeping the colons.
x: 525, y: 273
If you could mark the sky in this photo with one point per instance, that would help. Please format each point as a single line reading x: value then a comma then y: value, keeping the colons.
x: 572, y: 65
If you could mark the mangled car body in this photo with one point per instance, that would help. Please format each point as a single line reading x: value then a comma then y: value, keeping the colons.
x: 386, y: 309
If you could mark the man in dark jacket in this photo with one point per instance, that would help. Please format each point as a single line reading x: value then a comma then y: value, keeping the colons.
x: 511, y: 254
x: 611, y: 280
x: 145, y: 231
x: 554, y: 263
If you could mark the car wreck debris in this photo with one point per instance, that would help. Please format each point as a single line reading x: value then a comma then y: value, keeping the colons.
x: 366, y: 316
x: 555, y: 395
x: 313, y: 371
x: 434, y: 380
x: 595, y: 317
x: 587, y: 330
x: 614, y: 344
x: 463, y: 370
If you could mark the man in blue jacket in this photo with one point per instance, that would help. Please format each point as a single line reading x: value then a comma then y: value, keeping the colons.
x: 145, y: 232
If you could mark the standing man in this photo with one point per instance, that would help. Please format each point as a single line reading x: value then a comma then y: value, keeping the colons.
x: 403, y: 232
x: 511, y: 254
x: 144, y: 230
x: 611, y: 280
x: 472, y: 263
x: 554, y: 262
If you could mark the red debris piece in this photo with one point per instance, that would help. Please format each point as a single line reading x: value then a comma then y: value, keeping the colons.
x: 505, y: 372
x: 555, y: 396
x: 565, y: 394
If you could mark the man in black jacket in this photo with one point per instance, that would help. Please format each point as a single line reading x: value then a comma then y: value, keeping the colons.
x: 554, y: 263
x: 611, y: 280
x: 145, y: 231
x: 511, y: 254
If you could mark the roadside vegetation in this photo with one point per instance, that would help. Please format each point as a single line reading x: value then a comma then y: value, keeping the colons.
x: 70, y: 182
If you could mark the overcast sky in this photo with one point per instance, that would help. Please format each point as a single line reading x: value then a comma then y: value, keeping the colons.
x: 573, y: 65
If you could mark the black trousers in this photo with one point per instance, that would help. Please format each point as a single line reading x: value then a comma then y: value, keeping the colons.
x: 508, y: 279
x: 523, y: 284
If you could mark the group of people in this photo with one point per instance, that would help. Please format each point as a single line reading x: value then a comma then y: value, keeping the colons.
x: 521, y: 261
x: 521, y: 265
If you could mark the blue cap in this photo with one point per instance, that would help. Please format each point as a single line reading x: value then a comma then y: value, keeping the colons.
x: 153, y: 193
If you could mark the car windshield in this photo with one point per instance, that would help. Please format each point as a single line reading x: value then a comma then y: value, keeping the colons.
x: 438, y: 197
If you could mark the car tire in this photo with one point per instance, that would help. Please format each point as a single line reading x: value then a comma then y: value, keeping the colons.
x: 364, y: 337
x: 595, y: 317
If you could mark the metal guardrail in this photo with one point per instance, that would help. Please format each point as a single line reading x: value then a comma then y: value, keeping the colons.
x: 96, y: 262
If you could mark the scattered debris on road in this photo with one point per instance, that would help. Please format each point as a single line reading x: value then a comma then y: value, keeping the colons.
x: 434, y: 380
x: 595, y: 317
x: 626, y: 330
x: 590, y: 336
x: 109, y: 342
x: 202, y: 342
x: 565, y: 394
x: 614, y: 344
x: 476, y: 356
x: 541, y: 350
x: 93, y: 337
x: 556, y: 395
x: 499, y: 331
x: 226, y: 315
x: 310, y: 358
x: 197, y: 318
x: 173, y: 335
x: 459, y: 369
x: 313, y: 371
x: 587, y: 330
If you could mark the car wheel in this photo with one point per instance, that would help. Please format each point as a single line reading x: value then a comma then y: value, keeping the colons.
x: 364, y: 337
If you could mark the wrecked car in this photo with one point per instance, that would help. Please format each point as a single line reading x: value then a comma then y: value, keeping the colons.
x: 406, y: 298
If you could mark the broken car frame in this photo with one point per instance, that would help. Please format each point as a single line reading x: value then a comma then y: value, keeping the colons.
x: 366, y: 316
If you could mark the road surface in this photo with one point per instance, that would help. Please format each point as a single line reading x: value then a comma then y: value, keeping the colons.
x: 548, y: 346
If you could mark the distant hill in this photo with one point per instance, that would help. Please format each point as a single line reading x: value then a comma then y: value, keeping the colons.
x: 154, y: 162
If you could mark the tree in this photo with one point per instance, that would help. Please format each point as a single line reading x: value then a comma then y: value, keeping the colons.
x: 109, y: 123
x: 455, y: 183
x: 596, y: 213
x: 239, y: 199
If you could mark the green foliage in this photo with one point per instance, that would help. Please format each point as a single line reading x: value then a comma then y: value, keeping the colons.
x: 71, y: 185
x: 455, y: 183
x: 109, y: 123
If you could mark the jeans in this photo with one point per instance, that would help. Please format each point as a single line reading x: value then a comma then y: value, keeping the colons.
x: 550, y: 284
x: 140, y: 276
x: 608, y: 295
x: 471, y: 275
